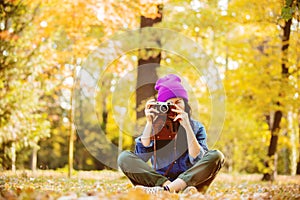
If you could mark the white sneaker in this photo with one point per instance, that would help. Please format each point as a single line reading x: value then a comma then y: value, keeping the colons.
x: 190, y: 190
x: 150, y: 190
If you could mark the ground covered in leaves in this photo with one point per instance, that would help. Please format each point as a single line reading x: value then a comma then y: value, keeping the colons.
x: 94, y: 185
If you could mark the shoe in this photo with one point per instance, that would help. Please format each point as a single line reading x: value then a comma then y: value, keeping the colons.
x: 150, y: 190
x: 190, y: 190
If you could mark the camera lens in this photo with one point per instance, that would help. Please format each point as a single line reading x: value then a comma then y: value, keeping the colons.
x: 164, y: 108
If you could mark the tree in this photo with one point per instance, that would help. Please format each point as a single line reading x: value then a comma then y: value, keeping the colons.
x: 72, y: 49
x: 21, y: 112
x: 75, y: 29
x: 149, y: 60
x: 242, y: 39
x: 278, y: 114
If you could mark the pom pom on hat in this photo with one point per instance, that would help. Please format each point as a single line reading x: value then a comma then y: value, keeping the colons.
x: 169, y: 87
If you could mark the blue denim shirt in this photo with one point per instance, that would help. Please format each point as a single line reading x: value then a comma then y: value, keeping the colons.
x: 166, y: 152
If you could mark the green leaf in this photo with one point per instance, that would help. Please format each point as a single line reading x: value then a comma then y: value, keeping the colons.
x: 289, y: 2
x: 287, y: 13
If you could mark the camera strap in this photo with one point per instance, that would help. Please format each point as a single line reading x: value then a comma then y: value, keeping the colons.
x: 154, y: 153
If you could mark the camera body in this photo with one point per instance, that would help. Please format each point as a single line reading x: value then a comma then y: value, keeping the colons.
x: 163, y: 107
x: 164, y: 128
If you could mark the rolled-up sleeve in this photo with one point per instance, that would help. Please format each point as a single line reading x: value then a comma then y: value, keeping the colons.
x: 201, y: 137
x: 143, y: 152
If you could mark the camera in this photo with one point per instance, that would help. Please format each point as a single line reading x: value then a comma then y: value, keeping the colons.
x: 164, y: 108
x: 164, y: 128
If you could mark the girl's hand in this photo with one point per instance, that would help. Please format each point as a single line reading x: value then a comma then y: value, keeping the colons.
x: 182, y: 116
x: 150, y: 112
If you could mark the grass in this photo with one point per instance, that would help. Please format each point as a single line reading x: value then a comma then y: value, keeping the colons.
x: 114, y: 185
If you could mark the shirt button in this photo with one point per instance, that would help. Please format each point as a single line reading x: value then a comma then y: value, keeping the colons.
x: 175, y: 162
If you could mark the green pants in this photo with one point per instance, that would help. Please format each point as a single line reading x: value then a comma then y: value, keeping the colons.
x: 200, y: 175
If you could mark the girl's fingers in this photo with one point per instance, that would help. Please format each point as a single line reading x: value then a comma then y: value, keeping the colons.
x: 151, y: 112
x: 149, y: 102
x: 177, y: 117
x: 152, y: 115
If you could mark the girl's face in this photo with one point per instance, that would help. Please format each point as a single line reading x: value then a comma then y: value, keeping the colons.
x: 178, y: 101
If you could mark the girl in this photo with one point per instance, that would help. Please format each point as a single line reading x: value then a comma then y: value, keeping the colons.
x: 185, y: 162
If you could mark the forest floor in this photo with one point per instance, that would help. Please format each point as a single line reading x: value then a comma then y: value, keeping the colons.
x: 92, y: 185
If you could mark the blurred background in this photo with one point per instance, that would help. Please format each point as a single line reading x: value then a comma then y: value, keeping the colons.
x: 254, y: 44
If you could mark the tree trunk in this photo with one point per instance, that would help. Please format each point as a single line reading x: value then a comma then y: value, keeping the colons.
x: 146, y: 75
x: 293, y: 129
x: 298, y: 164
x: 13, y: 156
x: 104, y: 115
x: 270, y: 175
x: 71, y: 143
x: 72, y: 131
x: 34, y: 158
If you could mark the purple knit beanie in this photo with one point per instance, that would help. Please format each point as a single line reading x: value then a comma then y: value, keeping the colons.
x: 169, y: 87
